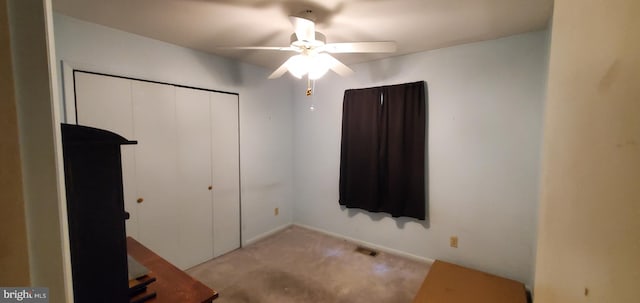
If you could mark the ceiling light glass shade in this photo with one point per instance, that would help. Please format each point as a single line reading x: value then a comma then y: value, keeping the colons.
x: 316, y: 66
x: 298, y: 65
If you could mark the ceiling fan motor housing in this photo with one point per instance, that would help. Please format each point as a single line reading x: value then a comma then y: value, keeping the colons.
x: 320, y: 40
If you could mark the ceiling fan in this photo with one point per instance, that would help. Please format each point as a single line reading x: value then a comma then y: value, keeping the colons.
x: 313, y: 57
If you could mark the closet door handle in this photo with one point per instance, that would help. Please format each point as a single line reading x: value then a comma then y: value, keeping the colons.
x: 210, y: 187
x: 140, y: 200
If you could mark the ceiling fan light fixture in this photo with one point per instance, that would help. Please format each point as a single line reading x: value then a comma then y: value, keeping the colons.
x: 318, y: 66
x: 317, y: 72
x: 315, y: 66
x: 298, y: 65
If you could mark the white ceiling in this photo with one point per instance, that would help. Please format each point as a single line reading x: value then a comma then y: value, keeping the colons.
x: 416, y: 25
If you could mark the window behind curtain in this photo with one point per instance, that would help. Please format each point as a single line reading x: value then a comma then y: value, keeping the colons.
x: 382, y: 160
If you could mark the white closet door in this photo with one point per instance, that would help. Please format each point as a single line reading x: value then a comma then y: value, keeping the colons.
x: 194, y: 177
x: 105, y: 102
x: 154, y: 116
x: 226, y: 169
x: 187, y: 141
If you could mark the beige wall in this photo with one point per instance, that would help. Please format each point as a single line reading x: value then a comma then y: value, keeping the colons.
x: 589, y: 226
x: 14, y: 258
x: 37, y: 110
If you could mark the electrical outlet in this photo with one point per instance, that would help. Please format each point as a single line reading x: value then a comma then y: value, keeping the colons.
x: 453, y: 241
x: 276, y: 211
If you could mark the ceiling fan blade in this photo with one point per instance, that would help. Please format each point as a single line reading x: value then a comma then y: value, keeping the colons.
x: 276, y: 48
x: 305, y: 29
x: 281, y: 70
x: 336, y: 66
x: 361, y: 47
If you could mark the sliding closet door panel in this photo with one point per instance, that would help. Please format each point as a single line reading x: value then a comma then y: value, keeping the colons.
x: 226, y: 180
x: 154, y: 117
x: 105, y: 102
x: 194, y: 175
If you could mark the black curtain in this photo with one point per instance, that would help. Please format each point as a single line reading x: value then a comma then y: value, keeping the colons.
x: 382, y: 160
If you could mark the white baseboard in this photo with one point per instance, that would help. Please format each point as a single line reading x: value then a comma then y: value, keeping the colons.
x: 370, y: 245
x: 265, y: 234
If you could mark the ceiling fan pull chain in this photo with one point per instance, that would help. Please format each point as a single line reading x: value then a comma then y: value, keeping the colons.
x: 309, y: 91
x: 313, y: 88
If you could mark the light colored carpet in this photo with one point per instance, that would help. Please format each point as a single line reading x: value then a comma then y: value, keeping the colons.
x: 300, y: 265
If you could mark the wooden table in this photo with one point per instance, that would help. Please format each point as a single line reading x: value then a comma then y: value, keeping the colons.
x: 450, y: 283
x: 172, y: 285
